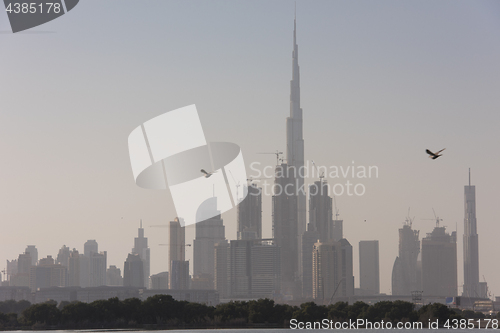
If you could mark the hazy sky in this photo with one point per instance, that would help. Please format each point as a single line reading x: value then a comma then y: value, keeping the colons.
x: 381, y: 81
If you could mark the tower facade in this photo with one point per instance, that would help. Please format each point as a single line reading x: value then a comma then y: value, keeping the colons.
x: 295, y: 144
x: 133, y: 271
x: 209, y: 232
x: 250, y: 214
x: 332, y: 268
x: 369, y: 275
x: 439, y: 263
x: 33, y: 252
x: 320, y: 210
x: 177, y: 244
x: 471, y: 244
x: 404, y: 271
x: 141, y: 248
x: 285, y: 228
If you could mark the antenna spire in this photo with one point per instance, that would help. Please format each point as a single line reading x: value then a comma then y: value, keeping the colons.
x: 469, y: 176
x: 141, y: 223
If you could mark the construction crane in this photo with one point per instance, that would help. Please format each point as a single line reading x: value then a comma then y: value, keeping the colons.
x: 322, y: 175
x: 409, y: 220
x: 336, y: 210
x: 436, y: 218
x: 251, y: 179
x: 236, y: 184
x: 277, y: 153
x: 170, y: 244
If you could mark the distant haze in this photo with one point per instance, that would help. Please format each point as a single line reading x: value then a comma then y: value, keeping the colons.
x: 380, y: 83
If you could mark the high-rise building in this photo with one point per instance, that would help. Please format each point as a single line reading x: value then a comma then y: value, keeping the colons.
x: 179, y: 275
x: 295, y: 145
x: 221, y: 278
x: 471, y: 245
x: 11, y: 269
x: 159, y: 281
x: 265, y: 269
x: 248, y: 268
x: 74, y: 268
x: 320, y: 209
x: 84, y: 270
x: 240, y: 268
x: 439, y: 263
x: 285, y: 228
x: 309, y: 238
x: 332, y: 268
x: 209, y: 232
x: 63, y: 256
x: 48, y: 274
x: 33, y: 252
x: 250, y: 214
x: 177, y: 244
x: 133, y: 271
x: 90, y: 246
x: 22, y: 276
x: 141, y: 248
x: 404, y: 271
x: 114, y: 276
x: 369, y: 275
x: 97, y: 269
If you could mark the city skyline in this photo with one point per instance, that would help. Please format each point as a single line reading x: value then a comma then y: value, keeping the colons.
x: 81, y: 187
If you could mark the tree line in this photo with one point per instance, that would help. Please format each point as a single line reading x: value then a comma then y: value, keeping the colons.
x: 162, y: 311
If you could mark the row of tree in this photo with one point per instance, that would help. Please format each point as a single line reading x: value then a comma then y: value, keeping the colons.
x: 164, y: 311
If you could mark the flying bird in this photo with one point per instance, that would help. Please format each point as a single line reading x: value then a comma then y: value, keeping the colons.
x: 434, y: 155
x: 207, y: 174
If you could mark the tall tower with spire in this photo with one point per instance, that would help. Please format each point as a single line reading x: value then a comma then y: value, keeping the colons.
x: 471, y: 245
x: 294, y: 139
x: 141, y: 248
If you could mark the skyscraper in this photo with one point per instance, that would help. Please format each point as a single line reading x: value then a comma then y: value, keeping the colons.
x: 74, y: 268
x: 439, y: 263
x: 471, y: 244
x: 141, y: 248
x: 404, y: 271
x: 250, y: 214
x: 159, y: 281
x: 90, y: 246
x: 177, y: 235
x: 285, y: 228
x: 309, y: 238
x: 133, y: 271
x: 247, y: 268
x: 369, y: 275
x: 179, y: 278
x: 332, y: 268
x: 63, y: 256
x: 48, y: 274
x: 320, y: 209
x: 33, y: 252
x: 222, y: 265
x: 97, y: 268
x: 114, y: 276
x: 295, y: 144
x: 209, y: 232
x: 319, y: 229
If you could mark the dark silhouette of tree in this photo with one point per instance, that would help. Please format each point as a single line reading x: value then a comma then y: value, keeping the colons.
x: 310, y: 312
x: 338, y: 311
x: 43, y: 313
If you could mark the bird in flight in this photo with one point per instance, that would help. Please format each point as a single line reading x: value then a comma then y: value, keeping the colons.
x: 434, y: 155
x: 207, y: 174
